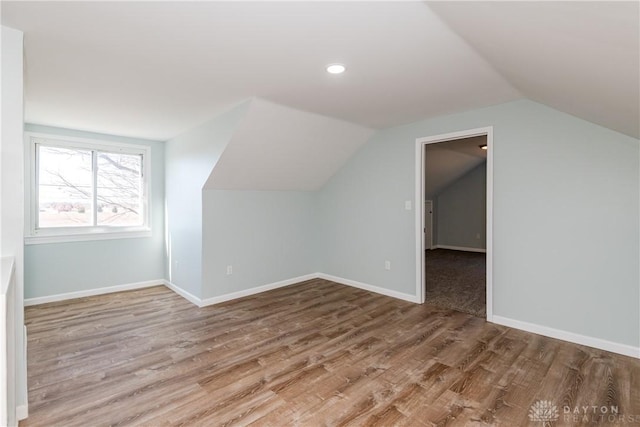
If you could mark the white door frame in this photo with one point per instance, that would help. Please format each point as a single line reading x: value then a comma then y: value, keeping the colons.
x: 419, y: 201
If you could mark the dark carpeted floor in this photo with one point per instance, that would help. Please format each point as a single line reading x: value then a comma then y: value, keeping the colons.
x: 456, y: 280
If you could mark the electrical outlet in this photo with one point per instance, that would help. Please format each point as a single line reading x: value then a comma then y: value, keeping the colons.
x: 229, y: 270
x: 387, y: 265
x: 407, y: 205
x: 478, y: 236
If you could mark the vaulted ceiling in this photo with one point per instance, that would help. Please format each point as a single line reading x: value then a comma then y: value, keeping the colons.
x: 156, y: 69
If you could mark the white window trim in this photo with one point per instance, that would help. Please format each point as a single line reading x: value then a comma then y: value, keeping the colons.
x: 34, y: 235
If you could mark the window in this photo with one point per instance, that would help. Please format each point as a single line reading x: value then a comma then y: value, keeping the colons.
x: 84, y: 190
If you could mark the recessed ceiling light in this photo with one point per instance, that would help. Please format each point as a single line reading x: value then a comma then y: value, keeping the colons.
x: 484, y: 147
x: 336, y: 68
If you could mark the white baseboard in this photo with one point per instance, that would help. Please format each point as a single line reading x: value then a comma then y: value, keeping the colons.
x: 234, y: 295
x: 459, y: 248
x: 92, y: 292
x: 598, y: 343
x: 239, y: 294
x: 257, y: 290
x: 22, y: 412
x: 184, y: 294
x: 370, y: 288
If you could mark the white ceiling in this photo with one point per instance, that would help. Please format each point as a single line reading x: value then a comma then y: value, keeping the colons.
x: 281, y: 148
x: 156, y: 69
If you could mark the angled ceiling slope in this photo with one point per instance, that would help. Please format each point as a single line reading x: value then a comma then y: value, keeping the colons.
x: 153, y: 69
x: 445, y: 162
x: 582, y: 58
x: 280, y: 148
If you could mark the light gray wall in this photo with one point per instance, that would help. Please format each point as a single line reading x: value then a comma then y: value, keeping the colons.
x: 57, y: 268
x: 267, y: 236
x: 190, y: 157
x: 462, y: 211
x: 363, y: 221
x: 566, y: 229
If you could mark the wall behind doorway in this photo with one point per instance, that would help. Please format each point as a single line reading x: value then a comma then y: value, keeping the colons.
x: 462, y: 211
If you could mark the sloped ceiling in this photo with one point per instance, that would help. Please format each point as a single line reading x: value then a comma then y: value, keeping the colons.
x: 154, y: 69
x: 445, y: 162
x: 280, y: 148
x: 582, y: 58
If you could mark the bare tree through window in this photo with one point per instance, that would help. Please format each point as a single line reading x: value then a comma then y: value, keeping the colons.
x: 72, y: 183
x: 119, y: 189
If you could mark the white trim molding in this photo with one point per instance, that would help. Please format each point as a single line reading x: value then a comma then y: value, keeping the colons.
x: 22, y: 412
x: 92, y: 292
x: 421, y: 143
x: 257, y: 290
x: 239, y: 294
x: 370, y: 288
x: 460, y: 248
x: 46, y: 240
x: 222, y: 298
x: 288, y: 282
x: 572, y: 337
x: 184, y: 294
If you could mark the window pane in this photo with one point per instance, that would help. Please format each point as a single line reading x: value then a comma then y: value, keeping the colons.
x: 64, y: 187
x: 119, y: 189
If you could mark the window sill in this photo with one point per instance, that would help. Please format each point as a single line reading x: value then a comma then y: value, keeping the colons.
x: 84, y: 237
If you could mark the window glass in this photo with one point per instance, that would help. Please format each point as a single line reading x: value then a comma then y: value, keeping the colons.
x: 65, y: 189
x: 119, y: 189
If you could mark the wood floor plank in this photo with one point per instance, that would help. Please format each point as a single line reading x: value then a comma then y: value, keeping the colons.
x: 313, y: 354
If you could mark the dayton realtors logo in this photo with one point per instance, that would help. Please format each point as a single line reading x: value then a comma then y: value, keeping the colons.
x: 544, y: 411
x: 594, y: 414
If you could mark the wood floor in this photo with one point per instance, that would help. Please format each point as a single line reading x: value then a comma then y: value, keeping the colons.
x: 312, y: 354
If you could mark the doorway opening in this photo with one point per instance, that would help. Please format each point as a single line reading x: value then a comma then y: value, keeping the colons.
x: 454, y: 183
